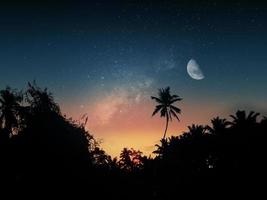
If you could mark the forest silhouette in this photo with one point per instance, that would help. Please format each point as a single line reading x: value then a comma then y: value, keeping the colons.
x: 43, y: 150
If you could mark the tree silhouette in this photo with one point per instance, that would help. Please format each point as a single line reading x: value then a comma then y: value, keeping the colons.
x: 130, y: 159
x: 50, y: 141
x: 165, y: 105
x: 160, y: 151
x: 218, y: 126
x: 100, y: 158
x: 240, y: 118
x: 196, y: 130
x: 197, y: 145
x: 40, y: 100
x: 243, y: 127
x: 9, y: 109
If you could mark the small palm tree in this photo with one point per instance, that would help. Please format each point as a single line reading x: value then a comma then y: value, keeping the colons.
x: 219, y: 126
x: 165, y: 105
x: 197, y: 130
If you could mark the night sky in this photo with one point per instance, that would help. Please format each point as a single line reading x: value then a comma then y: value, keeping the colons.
x: 106, y: 58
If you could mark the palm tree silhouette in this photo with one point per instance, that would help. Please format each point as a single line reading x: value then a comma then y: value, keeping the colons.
x: 165, y: 105
x: 219, y: 126
x: 9, y: 108
x: 241, y: 118
x: 161, y: 147
x: 197, y: 130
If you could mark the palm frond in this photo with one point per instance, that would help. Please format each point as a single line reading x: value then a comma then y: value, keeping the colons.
x: 156, y: 99
x: 177, y: 110
x: 163, y: 112
x: 233, y: 117
x: 174, y: 114
x: 253, y: 115
x: 174, y: 100
x: 157, y: 109
x: 170, y: 114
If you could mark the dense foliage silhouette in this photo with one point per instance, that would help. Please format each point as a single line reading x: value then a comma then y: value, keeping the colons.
x: 42, y: 149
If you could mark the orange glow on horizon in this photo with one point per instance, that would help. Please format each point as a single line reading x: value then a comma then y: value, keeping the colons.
x: 133, y: 126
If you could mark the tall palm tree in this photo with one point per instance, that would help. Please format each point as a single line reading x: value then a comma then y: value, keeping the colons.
x: 165, y: 105
x: 9, y: 109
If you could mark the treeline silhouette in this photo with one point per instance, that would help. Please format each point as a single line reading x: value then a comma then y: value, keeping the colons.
x: 43, y: 150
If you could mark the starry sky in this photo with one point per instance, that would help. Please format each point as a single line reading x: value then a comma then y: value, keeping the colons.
x: 106, y: 58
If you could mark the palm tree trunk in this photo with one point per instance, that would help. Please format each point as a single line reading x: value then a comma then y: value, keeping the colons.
x: 166, y: 128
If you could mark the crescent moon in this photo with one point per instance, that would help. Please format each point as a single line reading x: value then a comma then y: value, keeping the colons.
x: 194, y: 70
